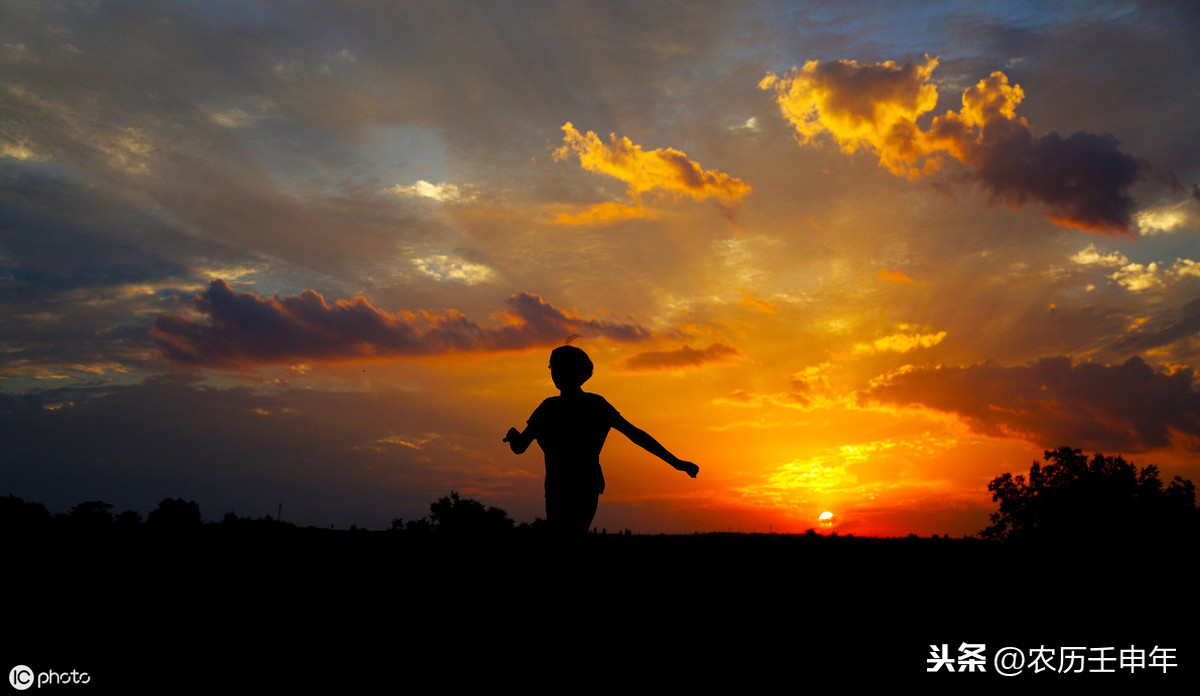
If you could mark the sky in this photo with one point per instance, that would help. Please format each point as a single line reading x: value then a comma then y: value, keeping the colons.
x: 847, y: 257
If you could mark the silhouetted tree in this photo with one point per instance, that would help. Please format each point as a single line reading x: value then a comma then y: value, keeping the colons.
x: 91, y: 513
x: 175, y: 513
x: 18, y: 515
x: 1106, y: 498
x: 464, y: 516
x: 129, y: 518
x: 421, y: 526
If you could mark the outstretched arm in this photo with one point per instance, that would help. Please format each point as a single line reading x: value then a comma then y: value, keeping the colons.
x: 642, y: 439
x: 519, y: 441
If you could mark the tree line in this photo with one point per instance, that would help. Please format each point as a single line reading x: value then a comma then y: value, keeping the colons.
x: 1068, y: 498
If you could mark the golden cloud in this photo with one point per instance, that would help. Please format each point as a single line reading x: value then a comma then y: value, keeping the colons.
x: 662, y: 169
x: 893, y: 276
x: 860, y: 106
x: 606, y: 212
x: 900, y: 342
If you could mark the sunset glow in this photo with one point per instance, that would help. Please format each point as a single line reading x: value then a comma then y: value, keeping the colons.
x: 843, y: 259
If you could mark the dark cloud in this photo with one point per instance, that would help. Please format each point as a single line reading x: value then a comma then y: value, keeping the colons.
x: 680, y: 358
x: 1112, y: 95
x: 1174, y: 325
x: 83, y: 270
x: 324, y: 73
x: 1123, y: 408
x: 1084, y: 179
x: 56, y: 235
x: 246, y: 328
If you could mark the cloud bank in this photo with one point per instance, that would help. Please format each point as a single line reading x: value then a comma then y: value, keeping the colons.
x: 1124, y: 408
x: 243, y: 328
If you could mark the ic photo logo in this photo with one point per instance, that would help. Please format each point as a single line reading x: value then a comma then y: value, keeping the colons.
x: 22, y: 677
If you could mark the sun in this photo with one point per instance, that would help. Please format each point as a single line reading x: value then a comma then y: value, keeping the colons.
x: 825, y: 520
x: 825, y: 516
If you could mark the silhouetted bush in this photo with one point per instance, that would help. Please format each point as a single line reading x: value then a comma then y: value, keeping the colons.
x: 466, y: 517
x: 1105, y: 499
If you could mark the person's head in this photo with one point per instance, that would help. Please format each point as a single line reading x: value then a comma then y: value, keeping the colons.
x: 570, y: 367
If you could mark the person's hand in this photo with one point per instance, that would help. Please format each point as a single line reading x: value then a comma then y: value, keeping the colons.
x: 512, y: 435
x: 687, y: 467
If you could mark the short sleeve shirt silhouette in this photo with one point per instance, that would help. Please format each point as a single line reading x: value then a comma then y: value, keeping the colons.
x: 571, y: 432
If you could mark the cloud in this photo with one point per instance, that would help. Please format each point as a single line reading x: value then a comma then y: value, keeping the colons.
x: 811, y: 378
x: 743, y: 398
x: 1136, y: 277
x: 442, y: 193
x: 893, y: 276
x: 1091, y: 256
x: 60, y: 235
x: 1168, y: 218
x: 1084, y: 180
x: 444, y: 267
x: 18, y: 150
x: 900, y: 342
x: 874, y: 107
x: 750, y: 125
x: 1175, y: 325
x: 751, y: 302
x: 682, y: 358
x: 1186, y: 267
x: 238, y: 118
x: 83, y: 274
x: 810, y: 390
x: 245, y: 328
x: 602, y: 213
x: 662, y: 169
x: 1051, y: 402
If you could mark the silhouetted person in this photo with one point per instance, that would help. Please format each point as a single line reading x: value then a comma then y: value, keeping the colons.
x: 571, y: 429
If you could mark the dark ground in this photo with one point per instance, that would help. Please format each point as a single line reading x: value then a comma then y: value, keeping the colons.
x: 274, y: 610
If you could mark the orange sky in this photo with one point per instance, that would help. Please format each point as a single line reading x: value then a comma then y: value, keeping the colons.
x: 843, y: 261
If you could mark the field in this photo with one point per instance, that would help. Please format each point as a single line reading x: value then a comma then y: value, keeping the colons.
x: 270, y: 609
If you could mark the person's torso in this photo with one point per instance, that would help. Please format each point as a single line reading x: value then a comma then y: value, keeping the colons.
x: 571, y: 432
